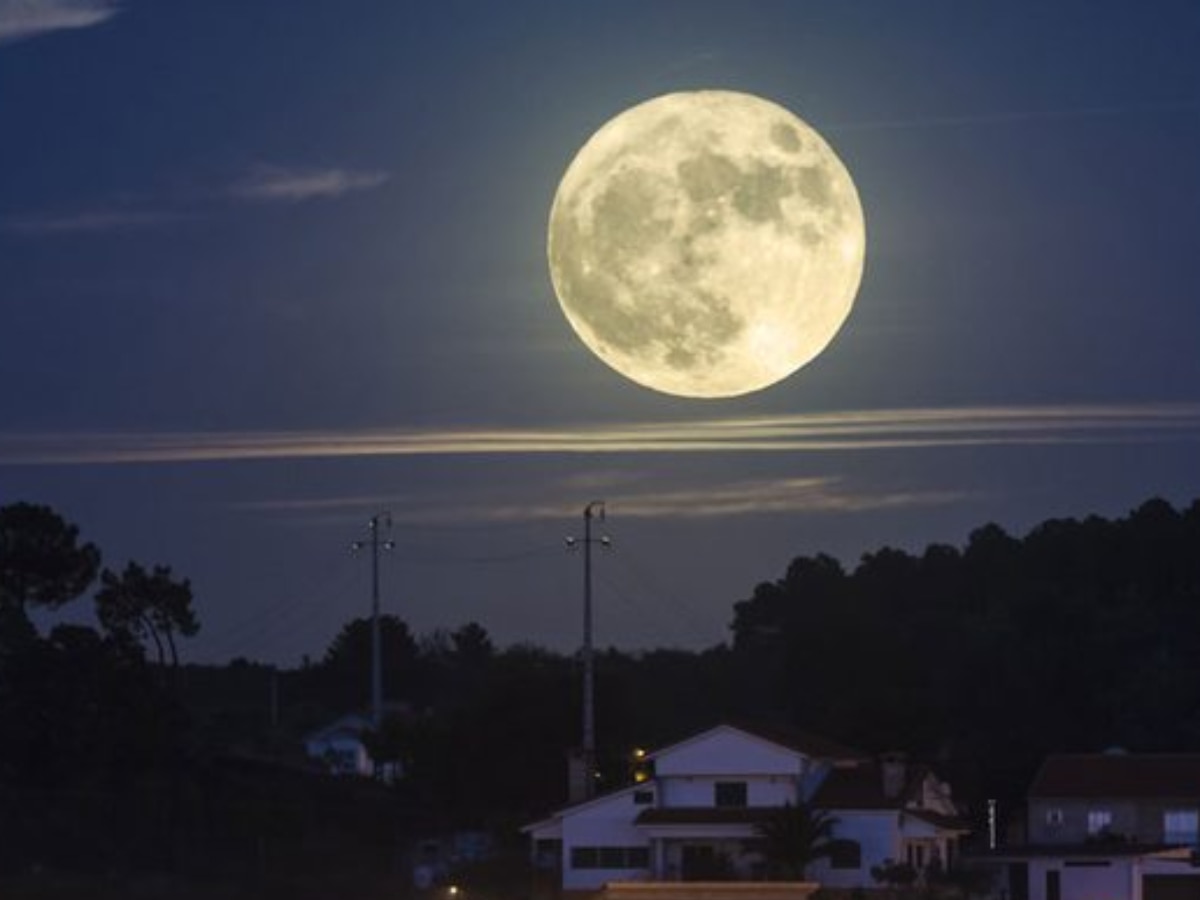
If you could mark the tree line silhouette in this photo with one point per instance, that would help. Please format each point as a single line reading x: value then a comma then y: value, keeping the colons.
x: 1080, y: 635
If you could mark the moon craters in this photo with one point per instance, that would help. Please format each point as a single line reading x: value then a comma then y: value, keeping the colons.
x: 706, y: 244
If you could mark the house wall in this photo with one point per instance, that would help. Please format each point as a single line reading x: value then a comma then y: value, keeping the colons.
x: 700, y: 790
x: 876, y: 834
x: 686, y: 776
x: 606, y: 822
x: 1138, y: 820
x: 1119, y: 880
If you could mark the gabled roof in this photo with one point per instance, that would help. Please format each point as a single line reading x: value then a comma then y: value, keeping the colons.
x: 557, y: 815
x: 810, y: 745
x: 796, y: 741
x: 1118, y: 775
x: 856, y: 787
x: 350, y: 725
x: 861, y: 787
x: 705, y: 815
x: 938, y: 820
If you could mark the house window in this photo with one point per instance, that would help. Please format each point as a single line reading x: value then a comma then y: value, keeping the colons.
x: 915, y: 854
x: 643, y: 798
x: 845, y: 854
x: 547, y: 853
x: 1054, y: 817
x: 1181, y: 826
x: 729, y: 793
x: 610, y: 858
x: 1099, y: 820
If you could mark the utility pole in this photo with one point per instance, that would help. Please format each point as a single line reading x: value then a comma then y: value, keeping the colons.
x: 274, y: 697
x: 383, y: 519
x: 596, y: 507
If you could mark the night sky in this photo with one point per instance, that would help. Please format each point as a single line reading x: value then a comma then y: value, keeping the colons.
x: 268, y: 268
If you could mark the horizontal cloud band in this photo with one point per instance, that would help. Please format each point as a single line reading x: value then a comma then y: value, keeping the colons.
x: 840, y: 431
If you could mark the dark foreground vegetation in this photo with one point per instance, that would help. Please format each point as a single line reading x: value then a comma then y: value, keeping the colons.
x: 127, y: 772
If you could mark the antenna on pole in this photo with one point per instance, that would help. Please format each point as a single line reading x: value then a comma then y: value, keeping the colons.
x: 379, y: 520
x: 591, y: 511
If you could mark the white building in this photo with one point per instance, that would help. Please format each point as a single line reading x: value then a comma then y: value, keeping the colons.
x: 1114, y: 826
x: 340, y: 748
x: 694, y: 816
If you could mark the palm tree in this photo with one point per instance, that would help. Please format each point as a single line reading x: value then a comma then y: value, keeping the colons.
x: 791, y: 837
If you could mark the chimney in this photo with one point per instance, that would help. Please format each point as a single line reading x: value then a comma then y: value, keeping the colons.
x: 577, y: 774
x: 894, y: 770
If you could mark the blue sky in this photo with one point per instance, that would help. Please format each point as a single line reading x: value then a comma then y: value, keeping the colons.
x: 268, y: 268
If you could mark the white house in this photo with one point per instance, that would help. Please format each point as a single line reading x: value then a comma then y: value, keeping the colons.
x: 340, y: 748
x: 1117, y: 826
x: 894, y: 812
x: 694, y: 816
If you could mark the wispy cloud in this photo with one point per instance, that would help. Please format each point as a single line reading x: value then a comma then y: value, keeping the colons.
x: 736, y: 498
x: 1014, y: 117
x: 293, y: 185
x: 266, y: 184
x: 867, y: 430
x: 771, y: 496
x: 88, y: 221
x: 24, y: 19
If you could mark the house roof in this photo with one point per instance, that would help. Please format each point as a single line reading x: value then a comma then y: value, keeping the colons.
x: 349, y: 725
x: 750, y: 815
x: 939, y: 820
x: 598, y: 800
x: 861, y: 787
x: 810, y: 745
x: 858, y: 787
x: 1118, y: 850
x: 1125, y: 775
x: 705, y: 815
x: 790, y: 739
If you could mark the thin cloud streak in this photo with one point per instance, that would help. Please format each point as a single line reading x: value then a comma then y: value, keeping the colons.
x: 88, y: 222
x: 290, y: 185
x: 1013, y: 117
x: 816, y: 432
x: 738, y: 498
x: 267, y: 184
x: 21, y: 20
x: 743, y: 498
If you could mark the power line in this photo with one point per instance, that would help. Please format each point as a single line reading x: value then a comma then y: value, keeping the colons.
x: 596, y: 507
x: 383, y: 519
x: 654, y: 588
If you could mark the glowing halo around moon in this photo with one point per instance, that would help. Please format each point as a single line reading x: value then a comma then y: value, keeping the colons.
x: 706, y: 243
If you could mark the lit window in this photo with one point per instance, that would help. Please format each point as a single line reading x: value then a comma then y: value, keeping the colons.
x: 1099, y: 820
x: 1181, y: 826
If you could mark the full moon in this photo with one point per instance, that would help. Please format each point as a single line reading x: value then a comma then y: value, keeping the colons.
x: 706, y: 243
